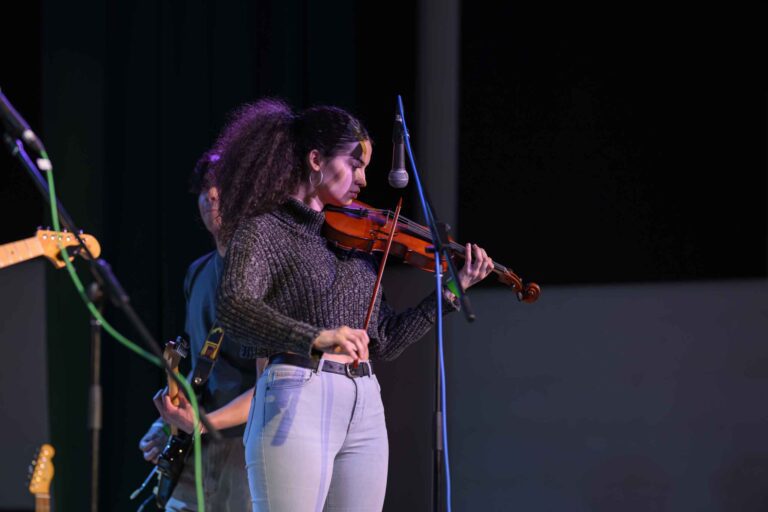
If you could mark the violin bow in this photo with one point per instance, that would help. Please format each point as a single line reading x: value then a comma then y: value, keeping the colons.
x: 381, y: 270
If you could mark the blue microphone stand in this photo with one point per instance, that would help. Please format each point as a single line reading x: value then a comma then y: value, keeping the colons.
x: 439, y: 232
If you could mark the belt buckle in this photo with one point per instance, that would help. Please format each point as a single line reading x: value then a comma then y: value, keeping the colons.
x: 348, y: 370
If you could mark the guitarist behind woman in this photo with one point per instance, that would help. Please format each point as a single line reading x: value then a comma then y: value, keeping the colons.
x: 224, y: 477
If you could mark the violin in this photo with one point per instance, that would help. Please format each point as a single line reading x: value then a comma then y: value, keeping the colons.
x: 362, y: 227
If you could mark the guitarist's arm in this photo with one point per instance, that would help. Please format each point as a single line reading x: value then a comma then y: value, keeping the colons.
x: 233, y: 414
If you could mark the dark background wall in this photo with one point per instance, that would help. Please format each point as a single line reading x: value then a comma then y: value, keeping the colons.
x: 638, y: 159
x: 644, y: 153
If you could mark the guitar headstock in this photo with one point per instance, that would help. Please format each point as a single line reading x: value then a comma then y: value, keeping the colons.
x: 49, y: 240
x: 41, y: 471
x: 175, y: 351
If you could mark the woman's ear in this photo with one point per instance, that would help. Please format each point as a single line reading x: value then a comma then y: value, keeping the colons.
x: 314, y: 159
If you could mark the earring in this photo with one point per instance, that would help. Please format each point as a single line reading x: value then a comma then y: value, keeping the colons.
x: 319, y: 182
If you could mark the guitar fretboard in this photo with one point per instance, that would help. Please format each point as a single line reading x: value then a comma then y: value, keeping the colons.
x: 42, y: 503
x: 16, y: 252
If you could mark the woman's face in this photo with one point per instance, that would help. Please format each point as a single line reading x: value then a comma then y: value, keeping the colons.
x: 343, y: 174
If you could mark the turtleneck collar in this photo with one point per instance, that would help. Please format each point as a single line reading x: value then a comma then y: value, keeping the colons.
x: 300, y: 217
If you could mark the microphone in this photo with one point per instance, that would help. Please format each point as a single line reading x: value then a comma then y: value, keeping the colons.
x: 20, y: 129
x: 17, y: 125
x: 398, y: 176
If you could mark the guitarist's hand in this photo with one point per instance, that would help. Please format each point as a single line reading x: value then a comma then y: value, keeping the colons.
x: 180, y: 416
x: 153, y: 442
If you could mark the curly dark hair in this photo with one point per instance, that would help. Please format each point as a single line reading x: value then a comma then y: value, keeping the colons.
x: 327, y: 129
x: 263, y: 154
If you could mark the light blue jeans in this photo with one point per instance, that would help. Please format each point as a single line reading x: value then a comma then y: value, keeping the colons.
x: 316, y: 441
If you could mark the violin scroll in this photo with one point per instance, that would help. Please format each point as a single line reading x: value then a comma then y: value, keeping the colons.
x: 530, y: 293
x: 527, y: 293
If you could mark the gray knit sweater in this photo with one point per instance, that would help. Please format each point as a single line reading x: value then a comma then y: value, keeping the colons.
x: 283, y: 283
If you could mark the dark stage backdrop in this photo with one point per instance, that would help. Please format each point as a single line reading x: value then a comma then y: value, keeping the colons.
x: 633, y: 155
x: 22, y: 287
x: 21, y: 208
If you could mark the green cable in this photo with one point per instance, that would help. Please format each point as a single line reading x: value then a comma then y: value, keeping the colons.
x: 128, y: 343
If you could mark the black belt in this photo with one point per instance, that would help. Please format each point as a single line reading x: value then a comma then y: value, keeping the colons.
x: 364, y: 368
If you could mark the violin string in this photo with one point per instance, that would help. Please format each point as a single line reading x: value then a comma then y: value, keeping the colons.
x: 420, y: 230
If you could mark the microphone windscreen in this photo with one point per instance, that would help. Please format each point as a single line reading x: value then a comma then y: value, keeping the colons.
x: 398, y: 178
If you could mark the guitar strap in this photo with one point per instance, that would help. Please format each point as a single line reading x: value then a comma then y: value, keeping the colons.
x: 208, y: 356
x: 212, y: 345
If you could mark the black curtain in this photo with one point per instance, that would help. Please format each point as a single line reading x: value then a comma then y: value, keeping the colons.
x: 634, y: 155
x: 133, y: 93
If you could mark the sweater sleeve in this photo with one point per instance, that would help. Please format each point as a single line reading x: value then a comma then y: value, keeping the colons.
x: 241, y: 308
x: 397, y: 331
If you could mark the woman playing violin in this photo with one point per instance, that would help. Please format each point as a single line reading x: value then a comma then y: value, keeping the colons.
x: 315, y: 437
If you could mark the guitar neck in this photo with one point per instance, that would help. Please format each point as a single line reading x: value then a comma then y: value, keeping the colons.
x: 16, y: 252
x: 173, y: 392
x: 42, y: 503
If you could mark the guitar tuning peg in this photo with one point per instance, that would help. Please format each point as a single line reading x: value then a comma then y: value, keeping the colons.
x: 39, y: 228
x: 64, y: 230
x: 80, y: 232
